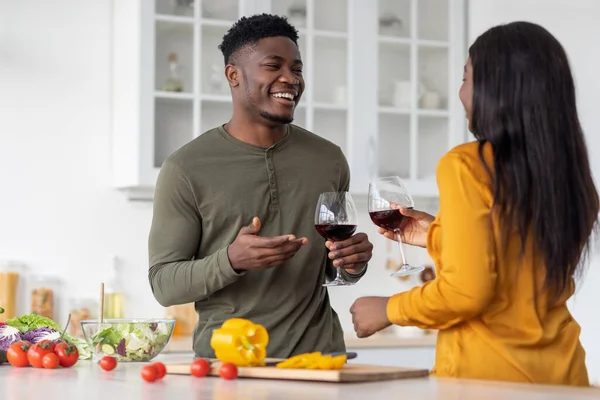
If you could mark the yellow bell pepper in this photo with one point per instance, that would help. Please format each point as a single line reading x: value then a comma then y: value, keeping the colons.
x: 314, y: 360
x: 240, y: 342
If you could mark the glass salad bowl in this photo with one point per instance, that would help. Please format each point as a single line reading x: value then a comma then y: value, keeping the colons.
x: 127, y: 339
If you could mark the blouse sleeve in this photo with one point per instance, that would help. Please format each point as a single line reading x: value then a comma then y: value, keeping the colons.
x: 466, y: 281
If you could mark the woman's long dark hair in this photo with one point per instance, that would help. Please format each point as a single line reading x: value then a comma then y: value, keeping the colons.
x: 524, y: 105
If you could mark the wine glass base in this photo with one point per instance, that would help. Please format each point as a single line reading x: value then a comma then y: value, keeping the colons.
x: 407, y: 270
x: 338, y: 283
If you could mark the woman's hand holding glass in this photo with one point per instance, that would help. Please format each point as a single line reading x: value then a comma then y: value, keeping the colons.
x: 415, y: 229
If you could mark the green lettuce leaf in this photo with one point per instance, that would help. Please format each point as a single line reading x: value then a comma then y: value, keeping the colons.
x: 107, y: 336
x: 29, y: 322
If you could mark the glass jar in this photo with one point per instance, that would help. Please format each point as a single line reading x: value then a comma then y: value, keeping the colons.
x: 43, y: 295
x: 10, y: 273
x: 80, y: 309
x: 185, y: 317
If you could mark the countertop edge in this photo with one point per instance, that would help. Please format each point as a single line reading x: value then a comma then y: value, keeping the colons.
x: 183, y: 344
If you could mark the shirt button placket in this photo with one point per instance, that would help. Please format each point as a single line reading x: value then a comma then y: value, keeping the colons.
x: 272, y: 180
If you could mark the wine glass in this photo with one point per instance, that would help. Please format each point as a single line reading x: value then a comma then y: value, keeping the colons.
x: 382, y: 192
x: 336, y: 219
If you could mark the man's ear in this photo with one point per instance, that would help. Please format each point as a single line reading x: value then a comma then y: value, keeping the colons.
x: 232, y: 74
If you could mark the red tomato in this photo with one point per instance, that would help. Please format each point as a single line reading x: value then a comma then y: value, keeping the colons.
x: 228, y: 371
x: 149, y: 373
x: 161, y: 370
x: 67, y: 354
x: 199, y: 368
x: 36, y: 353
x: 108, y: 363
x: 17, y: 354
x: 51, y: 343
x: 50, y: 361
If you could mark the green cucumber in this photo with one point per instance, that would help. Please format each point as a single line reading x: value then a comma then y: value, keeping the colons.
x: 3, y: 356
x: 108, y: 350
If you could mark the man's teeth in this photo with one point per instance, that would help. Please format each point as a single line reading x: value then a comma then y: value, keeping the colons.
x: 288, y: 96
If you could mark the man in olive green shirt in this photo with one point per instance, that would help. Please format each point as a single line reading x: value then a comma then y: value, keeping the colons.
x: 233, y: 225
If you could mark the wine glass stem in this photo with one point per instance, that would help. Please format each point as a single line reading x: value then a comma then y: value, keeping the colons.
x: 399, y: 237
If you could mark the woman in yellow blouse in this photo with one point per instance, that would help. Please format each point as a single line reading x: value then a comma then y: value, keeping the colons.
x: 499, y: 305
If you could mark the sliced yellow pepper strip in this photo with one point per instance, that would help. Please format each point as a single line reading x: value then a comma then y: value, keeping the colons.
x: 240, y: 342
x: 313, y: 361
x: 298, y: 361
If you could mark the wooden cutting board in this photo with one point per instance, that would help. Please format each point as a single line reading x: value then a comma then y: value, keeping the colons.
x: 349, y: 373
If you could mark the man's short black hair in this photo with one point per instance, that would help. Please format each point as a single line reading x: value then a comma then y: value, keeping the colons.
x: 249, y: 30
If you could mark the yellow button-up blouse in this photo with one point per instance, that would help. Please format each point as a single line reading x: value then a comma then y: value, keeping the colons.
x: 493, y: 313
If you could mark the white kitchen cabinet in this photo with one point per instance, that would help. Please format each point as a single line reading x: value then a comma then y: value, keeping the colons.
x: 151, y: 117
x: 382, y: 80
x: 420, y: 52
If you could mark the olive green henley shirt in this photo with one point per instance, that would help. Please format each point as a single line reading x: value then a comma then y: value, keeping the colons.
x: 205, y: 193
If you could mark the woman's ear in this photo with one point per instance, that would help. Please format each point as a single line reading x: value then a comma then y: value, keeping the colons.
x: 232, y: 75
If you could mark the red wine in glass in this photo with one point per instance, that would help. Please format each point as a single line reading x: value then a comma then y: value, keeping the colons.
x: 392, y: 220
x: 335, y: 232
x: 336, y: 219
x: 383, y: 194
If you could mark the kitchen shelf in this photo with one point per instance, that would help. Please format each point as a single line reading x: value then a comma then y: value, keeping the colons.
x: 394, y: 110
x: 432, y: 43
x: 331, y: 34
x: 161, y: 94
x: 174, y: 19
x: 217, y: 23
x: 433, y: 113
x: 216, y: 98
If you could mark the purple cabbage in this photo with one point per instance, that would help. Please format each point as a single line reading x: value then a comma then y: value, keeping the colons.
x: 121, y: 348
x: 8, y: 336
x: 39, y: 334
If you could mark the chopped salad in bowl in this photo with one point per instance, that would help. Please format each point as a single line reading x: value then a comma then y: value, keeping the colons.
x: 127, y: 339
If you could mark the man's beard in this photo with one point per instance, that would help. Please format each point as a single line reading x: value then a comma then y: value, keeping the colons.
x: 275, y: 118
x: 268, y: 116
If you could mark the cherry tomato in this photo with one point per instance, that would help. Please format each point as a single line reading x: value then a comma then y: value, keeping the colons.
x: 228, y: 371
x: 199, y: 368
x: 108, y: 363
x: 17, y: 354
x: 50, y: 361
x: 51, y: 343
x: 149, y: 373
x: 36, y: 353
x: 161, y: 370
x: 67, y: 354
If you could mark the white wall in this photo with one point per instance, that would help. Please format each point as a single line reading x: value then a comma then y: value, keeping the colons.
x: 575, y: 24
x: 58, y: 213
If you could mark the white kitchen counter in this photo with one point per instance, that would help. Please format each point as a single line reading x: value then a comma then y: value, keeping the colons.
x: 183, y: 344
x: 86, y: 381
